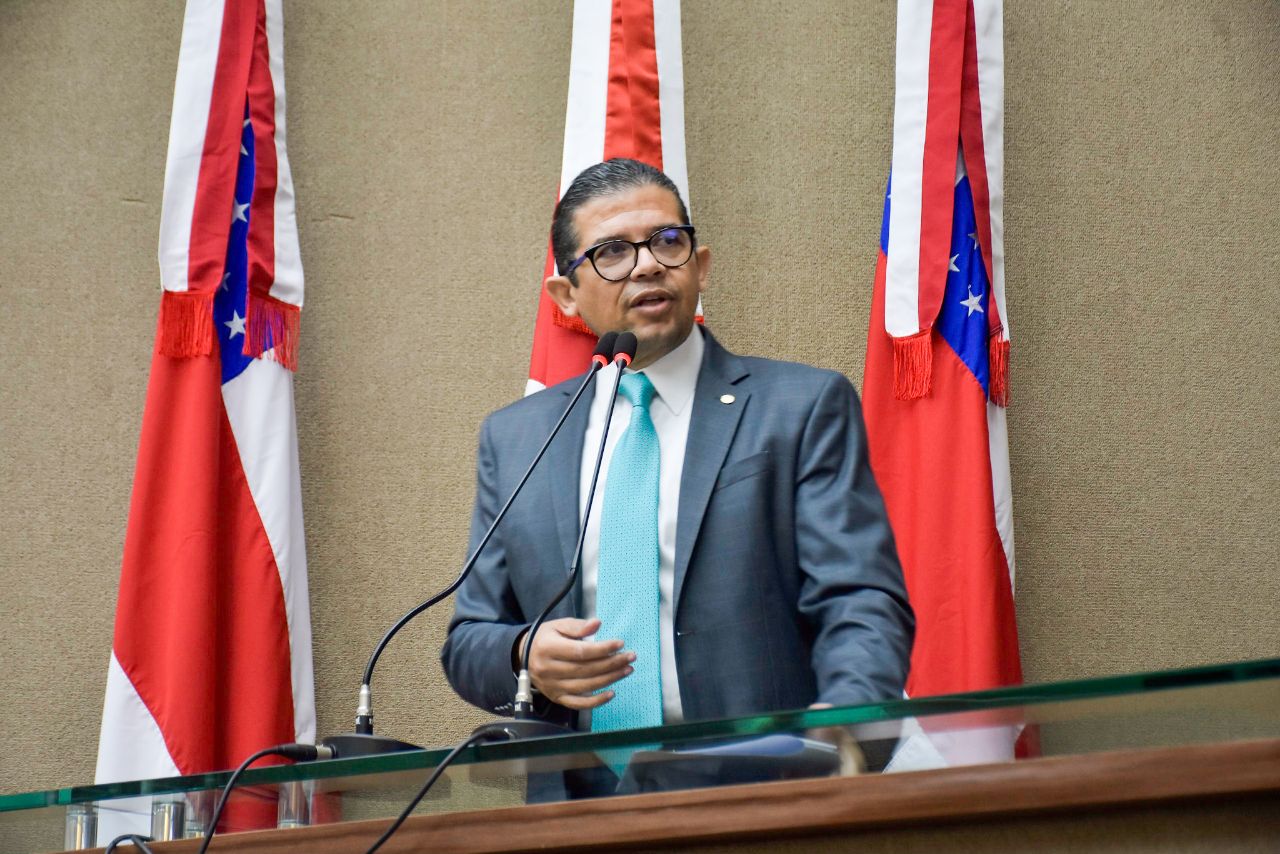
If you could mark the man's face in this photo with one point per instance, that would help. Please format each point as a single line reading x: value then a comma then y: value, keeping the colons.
x: 657, y: 303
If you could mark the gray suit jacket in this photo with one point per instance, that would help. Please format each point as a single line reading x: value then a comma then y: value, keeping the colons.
x: 788, y: 589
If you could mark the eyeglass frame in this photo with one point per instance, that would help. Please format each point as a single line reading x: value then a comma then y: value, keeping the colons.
x: 589, y: 253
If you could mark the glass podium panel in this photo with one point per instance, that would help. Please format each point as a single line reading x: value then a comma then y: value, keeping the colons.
x: 1231, y: 702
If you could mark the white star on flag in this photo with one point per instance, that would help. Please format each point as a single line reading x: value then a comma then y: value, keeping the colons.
x: 239, y: 215
x: 972, y: 303
x: 974, y: 237
x: 235, y: 324
x: 226, y: 282
x: 951, y: 265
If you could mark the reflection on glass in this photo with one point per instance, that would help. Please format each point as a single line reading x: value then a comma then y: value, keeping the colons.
x: 1193, y: 706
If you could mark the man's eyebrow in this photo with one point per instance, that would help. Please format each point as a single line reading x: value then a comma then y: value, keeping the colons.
x: 619, y: 236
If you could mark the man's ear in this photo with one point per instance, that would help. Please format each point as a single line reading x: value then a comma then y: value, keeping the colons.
x: 564, y: 294
x: 704, y: 267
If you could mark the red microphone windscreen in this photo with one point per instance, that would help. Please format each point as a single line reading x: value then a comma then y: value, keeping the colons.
x: 604, y: 350
x: 624, y: 350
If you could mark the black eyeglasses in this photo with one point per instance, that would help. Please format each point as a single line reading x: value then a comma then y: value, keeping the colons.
x: 614, y: 260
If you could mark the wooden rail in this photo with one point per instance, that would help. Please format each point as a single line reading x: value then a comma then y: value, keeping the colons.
x: 1190, y: 775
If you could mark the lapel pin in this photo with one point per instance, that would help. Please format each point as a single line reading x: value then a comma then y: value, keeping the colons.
x: 727, y: 398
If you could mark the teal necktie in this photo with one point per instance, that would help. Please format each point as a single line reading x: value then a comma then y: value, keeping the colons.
x: 627, y: 574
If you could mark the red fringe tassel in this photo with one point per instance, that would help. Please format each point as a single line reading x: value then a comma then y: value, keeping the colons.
x: 574, y: 324
x: 186, y: 324
x: 998, y: 355
x: 913, y: 365
x: 272, y: 327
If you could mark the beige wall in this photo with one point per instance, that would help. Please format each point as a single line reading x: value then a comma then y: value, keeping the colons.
x: 1143, y: 245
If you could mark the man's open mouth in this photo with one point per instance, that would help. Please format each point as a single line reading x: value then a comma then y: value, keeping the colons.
x: 650, y: 299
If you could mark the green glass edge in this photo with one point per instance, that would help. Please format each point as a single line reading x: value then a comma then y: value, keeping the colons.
x: 1093, y: 688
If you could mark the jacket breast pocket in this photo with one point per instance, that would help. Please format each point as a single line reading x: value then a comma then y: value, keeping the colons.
x: 740, y: 470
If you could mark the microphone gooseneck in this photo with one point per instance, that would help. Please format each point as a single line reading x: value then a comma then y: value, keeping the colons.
x: 624, y: 353
x: 363, y: 742
x: 623, y: 349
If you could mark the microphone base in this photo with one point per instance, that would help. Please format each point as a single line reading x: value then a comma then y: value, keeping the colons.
x: 510, y: 729
x: 352, y: 744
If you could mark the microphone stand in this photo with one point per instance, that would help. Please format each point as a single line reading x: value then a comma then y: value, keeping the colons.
x: 523, y: 724
x: 363, y: 742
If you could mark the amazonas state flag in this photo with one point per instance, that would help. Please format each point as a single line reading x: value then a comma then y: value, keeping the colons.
x: 211, y: 658
x: 626, y: 99
x: 936, y: 380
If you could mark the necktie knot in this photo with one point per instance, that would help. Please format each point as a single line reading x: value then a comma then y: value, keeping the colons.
x: 638, y: 389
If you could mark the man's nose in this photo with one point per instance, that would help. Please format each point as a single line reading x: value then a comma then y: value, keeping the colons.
x: 646, y: 264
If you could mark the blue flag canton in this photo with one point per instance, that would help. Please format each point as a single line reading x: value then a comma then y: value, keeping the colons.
x: 229, y: 302
x: 962, y: 320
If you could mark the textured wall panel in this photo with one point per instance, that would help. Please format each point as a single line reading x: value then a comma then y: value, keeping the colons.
x: 1143, y: 244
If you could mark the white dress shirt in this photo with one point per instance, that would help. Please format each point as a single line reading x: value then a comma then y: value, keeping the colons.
x: 674, y: 378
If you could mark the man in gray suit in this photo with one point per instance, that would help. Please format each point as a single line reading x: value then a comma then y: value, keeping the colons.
x: 778, y: 585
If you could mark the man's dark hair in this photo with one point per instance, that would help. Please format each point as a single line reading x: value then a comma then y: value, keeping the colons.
x: 602, y: 179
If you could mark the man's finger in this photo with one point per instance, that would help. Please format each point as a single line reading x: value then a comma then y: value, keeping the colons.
x: 591, y: 701
x: 563, y: 649
x: 590, y: 686
x: 560, y: 669
x: 572, y: 627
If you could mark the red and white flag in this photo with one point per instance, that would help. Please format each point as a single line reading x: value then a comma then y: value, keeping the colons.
x: 211, y: 658
x: 936, y: 379
x: 626, y: 99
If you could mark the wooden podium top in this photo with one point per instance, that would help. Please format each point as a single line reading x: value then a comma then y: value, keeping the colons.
x: 1181, y: 778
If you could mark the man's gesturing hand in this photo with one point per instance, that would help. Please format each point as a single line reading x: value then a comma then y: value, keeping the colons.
x: 569, y: 670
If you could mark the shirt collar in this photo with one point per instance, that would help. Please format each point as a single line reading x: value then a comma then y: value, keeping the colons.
x: 675, y: 375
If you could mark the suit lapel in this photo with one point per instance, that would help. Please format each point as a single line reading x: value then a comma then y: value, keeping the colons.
x: 564, y: 462
x: 712, y: 426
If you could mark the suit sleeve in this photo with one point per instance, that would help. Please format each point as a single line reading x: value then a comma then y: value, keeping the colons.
x: 486, y: 619
x: 852, y: 590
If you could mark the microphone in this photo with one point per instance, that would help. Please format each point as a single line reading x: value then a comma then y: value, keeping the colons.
x: 624, y: 351
x: 363, y: 742
x: 623, y: 348
x: 524, y: 724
